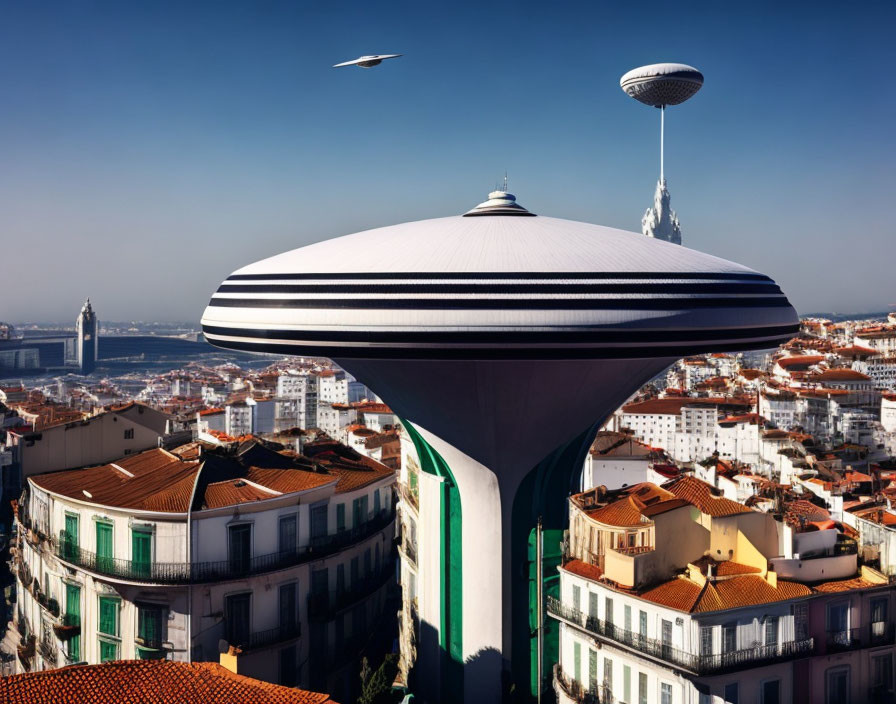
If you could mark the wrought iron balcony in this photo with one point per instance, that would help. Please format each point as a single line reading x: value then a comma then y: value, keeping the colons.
x: 658, y: 650
x: 324, y: 607
x: 25, y: 651
x: 236, y: 635
x: 577, y: 691
x: 843, y: 639
x: 221, y: 570
x: 48, y: 651
x: 881, y: 633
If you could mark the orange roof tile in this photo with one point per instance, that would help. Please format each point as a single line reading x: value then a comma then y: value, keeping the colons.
x: 680, y: 593
x: 842, y: 585
x: 153, y: 471
x: 703, y: 496
x: 148, y: 682
x: 583, y: 569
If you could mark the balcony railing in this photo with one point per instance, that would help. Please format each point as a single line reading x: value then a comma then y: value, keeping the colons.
x: 881, y: 633
x: 697, y: 664
x: 324, y: 607
x: 843, y: 639
x: 221, y: 570
x: 409, y: 549
x: 261, y: 639
x: 48, y: 651
x: 578, y: 692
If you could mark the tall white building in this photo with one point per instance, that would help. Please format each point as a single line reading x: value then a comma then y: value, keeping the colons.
x: 167, y: 555
x: 87, y: 346
x: 660, y: 221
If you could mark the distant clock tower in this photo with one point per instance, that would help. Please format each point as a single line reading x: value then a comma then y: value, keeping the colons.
x: 88, y: 338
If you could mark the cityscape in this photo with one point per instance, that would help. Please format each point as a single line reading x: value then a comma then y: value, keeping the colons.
x: 481, y: 448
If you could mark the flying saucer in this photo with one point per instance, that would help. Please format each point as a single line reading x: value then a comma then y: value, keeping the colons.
x: 662, y: 84
x: 368, y: 61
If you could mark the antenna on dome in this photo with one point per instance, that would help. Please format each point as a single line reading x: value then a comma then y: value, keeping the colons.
x: 505, y: 180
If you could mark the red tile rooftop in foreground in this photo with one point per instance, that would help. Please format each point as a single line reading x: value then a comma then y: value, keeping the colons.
x: 147, y: 682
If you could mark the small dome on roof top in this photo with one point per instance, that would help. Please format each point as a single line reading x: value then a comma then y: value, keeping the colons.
x: 499, y: 203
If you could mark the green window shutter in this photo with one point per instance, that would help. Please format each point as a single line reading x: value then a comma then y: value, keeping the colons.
x: 104, y: 547
x: 577, y: 661
x: 70, y: 539
x: 108, y: 651
x: 108, y: 616
x: 141, y: 551
x: 340, y: 517
x: 376, y: 503
x: 73, y: 617
x: 74, y: 648
x: 149, y: 625
x: 73, y: 600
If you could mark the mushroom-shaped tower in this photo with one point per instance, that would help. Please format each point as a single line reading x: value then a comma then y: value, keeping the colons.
x: 503, y: 339
x: 660, y: 85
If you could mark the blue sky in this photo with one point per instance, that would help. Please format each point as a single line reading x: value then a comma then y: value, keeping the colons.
x: 149, y: 149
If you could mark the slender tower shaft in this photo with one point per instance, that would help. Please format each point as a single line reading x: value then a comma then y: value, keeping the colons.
x: 662, y: 142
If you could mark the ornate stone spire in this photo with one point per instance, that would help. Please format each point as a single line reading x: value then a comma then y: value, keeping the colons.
x: 660, y: 221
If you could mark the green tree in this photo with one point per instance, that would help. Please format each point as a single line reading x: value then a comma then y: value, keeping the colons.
x: 376, y: 688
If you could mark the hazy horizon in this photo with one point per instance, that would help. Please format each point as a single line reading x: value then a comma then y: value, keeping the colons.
x: 149, y: 151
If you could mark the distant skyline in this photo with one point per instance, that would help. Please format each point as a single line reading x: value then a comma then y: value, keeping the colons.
x: 151, y: 149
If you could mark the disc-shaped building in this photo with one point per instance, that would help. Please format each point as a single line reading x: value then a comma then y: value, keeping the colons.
x: 502, y: 339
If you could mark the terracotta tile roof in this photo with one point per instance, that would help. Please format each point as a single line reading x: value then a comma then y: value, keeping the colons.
x: 673, y: 406
x: 147, y: 682
x: 842, y: 585
x: 746, y: 591
x: 153, y: 471
x: 840, y: 375
x: 583, y: 569
x: 717, y: 595
x: 235, y: 491
x: 856, y: 351
x: 622, y: 513
x: 353, y: 469
x: 287, y: 481
x: 725, y: 568
x: 803, y: 360
x: 680, y: 593
x: 628, y: 511
x: 702, y: 495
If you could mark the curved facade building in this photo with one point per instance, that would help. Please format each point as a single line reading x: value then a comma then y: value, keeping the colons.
x: 170, y: 555
x: 502, y: 339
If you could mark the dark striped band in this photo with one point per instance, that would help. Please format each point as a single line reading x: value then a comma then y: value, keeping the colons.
x: 499, y: 353
x: 662, y: 288
x: 593, y: 335
x: 503, y: 303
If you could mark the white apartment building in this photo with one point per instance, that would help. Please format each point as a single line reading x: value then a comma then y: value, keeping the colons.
x: 168, y: 554
x: 888, y: 412
x: 695, y: 615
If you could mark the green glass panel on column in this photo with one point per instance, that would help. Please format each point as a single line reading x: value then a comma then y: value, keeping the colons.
x: 104, y: 552
x: 451, y: 562
x: 141, y: 552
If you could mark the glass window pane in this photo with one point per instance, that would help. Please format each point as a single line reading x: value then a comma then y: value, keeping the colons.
x: 141, y: 551
x: 108, y: 616
x: 108, y: 651
x: 288, y: 534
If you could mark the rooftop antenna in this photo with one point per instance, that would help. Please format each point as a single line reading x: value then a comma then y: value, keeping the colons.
x: 505, y: 180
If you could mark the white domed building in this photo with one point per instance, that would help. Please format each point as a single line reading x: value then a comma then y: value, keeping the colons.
x: 503, y: 339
